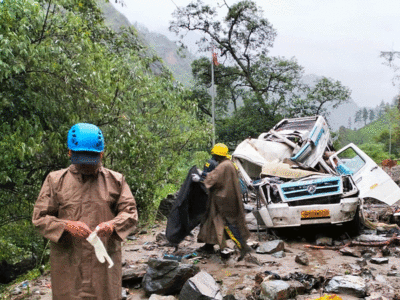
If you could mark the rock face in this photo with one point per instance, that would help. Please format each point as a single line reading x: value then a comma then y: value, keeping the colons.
x: 166, y: 277
x: 274, y: 290
x: 348, y: 284
x: 202, y: 286
x: 271, y: 247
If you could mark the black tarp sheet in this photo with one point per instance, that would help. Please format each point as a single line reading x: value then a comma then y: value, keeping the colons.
x: 188, y: 209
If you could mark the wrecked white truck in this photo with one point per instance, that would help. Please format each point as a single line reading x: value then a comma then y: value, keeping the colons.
x: 299, y: 179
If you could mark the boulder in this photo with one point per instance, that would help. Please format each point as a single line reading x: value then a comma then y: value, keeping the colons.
x: 302, y: 259
x: 279, y: 254
x: 348, y: 285
x: 271, y: 247
x: 202, y: 286
x: 133, y: 274
x: 296, y: 288
x: 379, y: 260
x: 165, y: 206
x: 274, y: 290
x: 167, y: 277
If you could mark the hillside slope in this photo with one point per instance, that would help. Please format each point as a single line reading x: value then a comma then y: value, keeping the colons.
x: 158, y: 44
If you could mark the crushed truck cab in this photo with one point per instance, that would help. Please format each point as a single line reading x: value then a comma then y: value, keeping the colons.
x: 299, y: 179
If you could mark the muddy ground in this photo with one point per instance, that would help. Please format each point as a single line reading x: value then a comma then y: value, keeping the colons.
x: 238, y: 278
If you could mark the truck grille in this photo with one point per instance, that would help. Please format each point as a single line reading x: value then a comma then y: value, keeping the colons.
x: 313, y: 201
x: 311, y: 189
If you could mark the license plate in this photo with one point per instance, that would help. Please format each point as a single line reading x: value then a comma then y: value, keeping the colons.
x: 315, y: 214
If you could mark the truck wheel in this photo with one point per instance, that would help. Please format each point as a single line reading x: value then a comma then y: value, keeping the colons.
x: 353, y: 227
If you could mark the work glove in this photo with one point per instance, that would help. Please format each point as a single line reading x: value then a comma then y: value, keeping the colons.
x: 99, y: 249
x: 105, y: 228
x: 78, y: 229
x: 196, y: 177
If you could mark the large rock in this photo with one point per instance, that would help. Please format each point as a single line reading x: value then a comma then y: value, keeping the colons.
x: 302, y: 259
x: 274, y: 290
x: 9, y: 272
x: 166, y: 277
x: 271, y: 247
x: 379, y: 260
x: 202, y: 286
x: 133, y: 274
x: 165, y: 206
x: 347, y: 284
x: 296, y: 288
x: 350, y: 252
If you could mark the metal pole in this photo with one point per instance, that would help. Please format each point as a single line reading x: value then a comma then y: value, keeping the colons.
x: 212, y: 93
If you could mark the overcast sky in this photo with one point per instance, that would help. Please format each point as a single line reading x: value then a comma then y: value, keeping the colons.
x: 340, y: 39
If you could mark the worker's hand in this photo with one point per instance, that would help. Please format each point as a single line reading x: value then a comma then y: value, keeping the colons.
x: 105, y: 228
x: 78, y: 229
x: 196, y: 177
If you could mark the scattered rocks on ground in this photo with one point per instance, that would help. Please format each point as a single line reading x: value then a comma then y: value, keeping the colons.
x: 202, y: 286
x: 302, y: 259
x: 274, y: 290
x: 376, y: 296
x: 362, y: 262
x: 279, y: 254
x: 350, y: 252
x: 348, y: 285
x: 166, y: 277
x: 271, y: 247
x: 133, y: 274
x: 379, y: 260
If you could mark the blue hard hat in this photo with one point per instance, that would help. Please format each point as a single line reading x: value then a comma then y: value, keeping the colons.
x: 85, y: 137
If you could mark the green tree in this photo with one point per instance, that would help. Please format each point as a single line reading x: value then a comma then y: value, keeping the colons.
x: 60, y: 65
x: 365, y: 115
x: 271, y: 86
x: 371, y: 115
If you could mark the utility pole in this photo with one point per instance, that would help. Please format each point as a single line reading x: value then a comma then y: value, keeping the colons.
x: 212, y: 92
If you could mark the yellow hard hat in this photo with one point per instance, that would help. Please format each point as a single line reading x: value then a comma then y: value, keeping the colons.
x: 220, y: 149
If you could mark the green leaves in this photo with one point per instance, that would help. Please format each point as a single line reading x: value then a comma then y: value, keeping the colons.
x: 59, y: 65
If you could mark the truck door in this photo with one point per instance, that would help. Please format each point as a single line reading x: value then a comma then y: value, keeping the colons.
x: 370, y: 179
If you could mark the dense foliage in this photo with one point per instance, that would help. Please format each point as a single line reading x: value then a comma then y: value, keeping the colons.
x: 60, y: 65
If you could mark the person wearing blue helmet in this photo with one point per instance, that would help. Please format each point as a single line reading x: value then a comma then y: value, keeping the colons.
x: 79, y: 206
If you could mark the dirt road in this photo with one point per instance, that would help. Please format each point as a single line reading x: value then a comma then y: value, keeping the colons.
x: 238, y: 278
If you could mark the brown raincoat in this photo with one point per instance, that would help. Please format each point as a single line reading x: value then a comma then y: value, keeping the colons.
x: 224, y: 205
x: 69, y: 195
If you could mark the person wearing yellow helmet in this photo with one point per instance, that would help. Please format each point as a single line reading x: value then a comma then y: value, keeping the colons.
x: 218, y: 150
x: 225, y: 213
